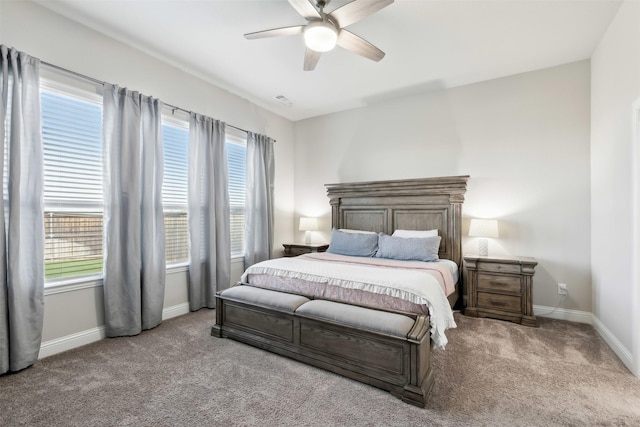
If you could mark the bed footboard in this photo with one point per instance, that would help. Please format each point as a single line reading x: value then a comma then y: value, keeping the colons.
x: 385, y: 349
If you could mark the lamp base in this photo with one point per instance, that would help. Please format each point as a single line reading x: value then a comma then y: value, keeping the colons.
x: 483, y: 247
x: 307, y: 237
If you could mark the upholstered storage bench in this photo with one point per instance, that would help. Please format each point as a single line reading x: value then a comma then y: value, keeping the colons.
x: 389, y: 350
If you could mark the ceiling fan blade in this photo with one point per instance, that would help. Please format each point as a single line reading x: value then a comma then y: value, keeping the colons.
x: 275, y: 32
x: 355, y: 44
x: 311, y: 58
x: 305, y: 8
x: 356, y: 10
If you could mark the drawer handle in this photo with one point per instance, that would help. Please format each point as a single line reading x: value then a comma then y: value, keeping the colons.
x: 496, y: 283
x: 498, y: 303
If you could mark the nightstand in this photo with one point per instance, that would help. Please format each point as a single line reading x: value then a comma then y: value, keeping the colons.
x: 295, y: 249
x: 500, y: 288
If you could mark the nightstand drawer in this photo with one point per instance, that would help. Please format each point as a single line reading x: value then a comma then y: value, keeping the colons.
x: 492, y: 267
x: 298, y: 250
x: 493, y: 282
x: 500, y: 302
x: 295, y: 249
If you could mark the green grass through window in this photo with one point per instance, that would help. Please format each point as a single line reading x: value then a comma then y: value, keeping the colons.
x: 62, y: 269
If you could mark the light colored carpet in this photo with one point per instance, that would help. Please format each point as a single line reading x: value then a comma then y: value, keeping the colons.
x: 492, y: 373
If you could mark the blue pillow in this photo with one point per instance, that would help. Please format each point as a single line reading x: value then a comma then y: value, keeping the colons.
x: 353, y: 244
x: 408, y: 249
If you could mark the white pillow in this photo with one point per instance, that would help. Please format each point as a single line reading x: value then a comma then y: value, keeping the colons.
x: 412, y: 234
x: 347, y: 230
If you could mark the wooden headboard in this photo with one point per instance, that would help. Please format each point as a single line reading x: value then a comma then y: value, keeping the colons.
x: 408, y: 204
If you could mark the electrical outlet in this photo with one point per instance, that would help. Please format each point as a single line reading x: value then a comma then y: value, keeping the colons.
x: 562, y: 289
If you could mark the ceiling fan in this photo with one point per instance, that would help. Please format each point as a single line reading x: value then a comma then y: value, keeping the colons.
x: 324, y: 30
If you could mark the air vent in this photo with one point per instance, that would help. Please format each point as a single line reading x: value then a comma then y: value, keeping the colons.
x: 284, y: 100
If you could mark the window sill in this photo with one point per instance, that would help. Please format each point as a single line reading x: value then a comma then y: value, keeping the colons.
x: 70, y: 285
x: 177, y: 268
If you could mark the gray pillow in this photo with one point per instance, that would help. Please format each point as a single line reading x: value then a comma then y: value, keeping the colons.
x: 354, y: 244
x: 409, y: 249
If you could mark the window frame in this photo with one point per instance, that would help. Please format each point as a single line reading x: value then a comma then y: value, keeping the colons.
x: 234, y: 136
x: 70, y: 85
x: 169, y: 118
x: 91, y: 94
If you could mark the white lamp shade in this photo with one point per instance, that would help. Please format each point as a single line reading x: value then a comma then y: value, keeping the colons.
x: 320, y: 36
x: 308, y: 224
x: 483, y: 228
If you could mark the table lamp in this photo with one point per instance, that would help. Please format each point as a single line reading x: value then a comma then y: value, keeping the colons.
x: 483, y: 228
x: 308, y: 225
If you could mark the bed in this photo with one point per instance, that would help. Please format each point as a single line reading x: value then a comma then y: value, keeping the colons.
x: 361, y: 331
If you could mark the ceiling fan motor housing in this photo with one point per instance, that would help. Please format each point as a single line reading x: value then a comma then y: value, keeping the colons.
x: 320, y: 36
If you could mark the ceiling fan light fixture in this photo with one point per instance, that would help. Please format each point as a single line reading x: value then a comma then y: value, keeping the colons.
x: 320, y: 36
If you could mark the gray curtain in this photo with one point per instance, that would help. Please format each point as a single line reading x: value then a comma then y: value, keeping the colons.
x: 259, y: 199
x: 209, y: 229
x: 134, y: 260
x: 21, y: 213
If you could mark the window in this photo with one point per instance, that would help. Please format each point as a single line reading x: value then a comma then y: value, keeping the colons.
x: 73, y: 198
x: 175, y: 137
x: 236, y: 158
x: 73, y: 184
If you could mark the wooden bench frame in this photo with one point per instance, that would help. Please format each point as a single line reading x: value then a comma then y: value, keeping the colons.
x: 398, y: 365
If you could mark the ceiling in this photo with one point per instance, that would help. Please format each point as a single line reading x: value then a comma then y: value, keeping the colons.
x: 429, y: 44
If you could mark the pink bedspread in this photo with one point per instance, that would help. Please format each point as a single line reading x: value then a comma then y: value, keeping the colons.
x: 439, y: 271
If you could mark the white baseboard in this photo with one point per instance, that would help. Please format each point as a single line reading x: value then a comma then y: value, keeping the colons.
x: 58, y: 345
x: 585, y: 317
x: 620, y: 350
x: 563, y: 314
x: 175, y: 311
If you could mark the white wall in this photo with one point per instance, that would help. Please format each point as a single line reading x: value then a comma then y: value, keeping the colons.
x: 524, y: 141
x: 615, y: 86
x: 65, y: 43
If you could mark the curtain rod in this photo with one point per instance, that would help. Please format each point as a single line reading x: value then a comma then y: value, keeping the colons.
x: 102, y: 83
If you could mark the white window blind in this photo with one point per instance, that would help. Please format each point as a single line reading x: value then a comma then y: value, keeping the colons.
x: 236, y: 158
x: 175, y: 137
x: 73, y: 197
x: 176, y: 142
